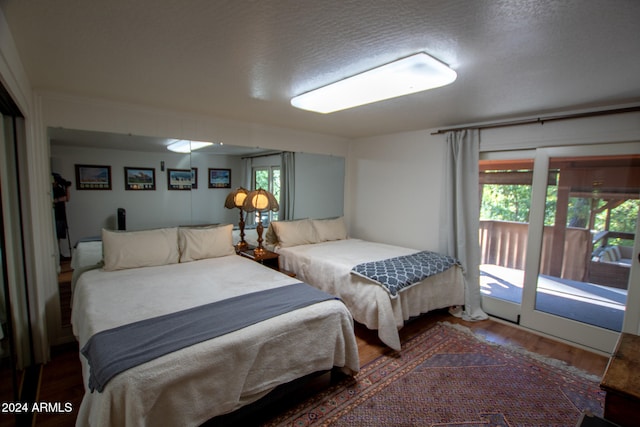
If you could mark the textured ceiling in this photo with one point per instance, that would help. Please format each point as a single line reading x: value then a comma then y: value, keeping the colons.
x: 244, y: 59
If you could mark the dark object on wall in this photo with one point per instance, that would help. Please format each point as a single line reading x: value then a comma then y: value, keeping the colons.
x: 93, y: 177
x: 219, y: 178
x: 139, y: 178
x: 122, y: 219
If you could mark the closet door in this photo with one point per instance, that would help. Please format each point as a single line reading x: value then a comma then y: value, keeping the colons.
x: 16, y: 351
x: 8, y: 372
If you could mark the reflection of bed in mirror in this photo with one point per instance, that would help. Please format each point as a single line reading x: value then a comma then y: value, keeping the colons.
x: 321, y: 254
x: 168, y: 276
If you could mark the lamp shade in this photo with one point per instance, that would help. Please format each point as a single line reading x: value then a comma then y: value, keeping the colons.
x: 260, y: 200
x: 236, y: 198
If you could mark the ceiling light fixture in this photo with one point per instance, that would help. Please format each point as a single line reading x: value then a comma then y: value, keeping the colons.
x: 186, y: 146
x: 408, y: 75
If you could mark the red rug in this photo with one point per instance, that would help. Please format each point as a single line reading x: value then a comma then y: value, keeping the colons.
x: 449, y: 377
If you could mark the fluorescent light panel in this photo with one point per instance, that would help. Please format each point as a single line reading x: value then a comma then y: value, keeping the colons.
x: 412, y: 74
x: 186, y: 146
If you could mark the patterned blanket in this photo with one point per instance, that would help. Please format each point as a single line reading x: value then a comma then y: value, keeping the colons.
x: 398, y: 273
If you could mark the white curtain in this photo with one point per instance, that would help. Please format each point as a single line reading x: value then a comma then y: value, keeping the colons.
x: 247, y: 183
x: 287, y: 185
x: 460, y: 215
x: 247, y: 178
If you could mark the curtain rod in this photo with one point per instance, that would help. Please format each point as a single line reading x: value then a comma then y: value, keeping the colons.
x: 255, y: 156
x: 542, y: 120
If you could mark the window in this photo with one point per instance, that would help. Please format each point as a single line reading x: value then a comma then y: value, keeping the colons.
x: 268, y: 178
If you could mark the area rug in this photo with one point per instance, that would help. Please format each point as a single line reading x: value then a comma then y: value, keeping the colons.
x: 447, y: 376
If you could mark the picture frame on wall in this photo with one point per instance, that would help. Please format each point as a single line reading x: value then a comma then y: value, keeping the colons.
x: 219, y: 178
x: 93, y: 177
x: 139, y: 178
x: 179, y: 179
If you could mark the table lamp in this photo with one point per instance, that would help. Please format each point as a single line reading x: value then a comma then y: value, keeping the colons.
x: 259, y: 201
x: 236, y: 199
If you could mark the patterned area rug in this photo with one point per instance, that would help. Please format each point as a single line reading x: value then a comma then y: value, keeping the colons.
x: 449, y: 377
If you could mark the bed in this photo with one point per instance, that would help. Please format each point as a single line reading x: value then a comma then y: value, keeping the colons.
x: 141, y: 279
x: 320, y: 254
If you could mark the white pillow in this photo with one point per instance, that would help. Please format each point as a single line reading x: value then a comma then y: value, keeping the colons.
x: 202, y: 243
x: 133, y: 249
x: 330, y: 229
x: 294, y: 233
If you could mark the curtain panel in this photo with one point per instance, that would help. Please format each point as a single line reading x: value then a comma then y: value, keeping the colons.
x: 287, y: 185
x: 460, y: 214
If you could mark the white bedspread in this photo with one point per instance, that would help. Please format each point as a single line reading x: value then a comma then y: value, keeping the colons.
x: 328, y: 266
x: 192, y: 385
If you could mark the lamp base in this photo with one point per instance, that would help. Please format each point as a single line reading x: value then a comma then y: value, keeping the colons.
x: 241, y: 246
x: 259, y: 251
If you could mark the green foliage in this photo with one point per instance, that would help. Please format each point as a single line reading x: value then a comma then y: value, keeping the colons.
x: 506, y: 202
x: 513, y: 202
x: 262, y: 178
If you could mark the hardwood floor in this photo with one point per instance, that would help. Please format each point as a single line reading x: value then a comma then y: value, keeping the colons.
x: 62, y: 379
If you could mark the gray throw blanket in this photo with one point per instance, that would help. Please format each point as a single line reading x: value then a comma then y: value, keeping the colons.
x: 401, y: 272
x: 115, y: 350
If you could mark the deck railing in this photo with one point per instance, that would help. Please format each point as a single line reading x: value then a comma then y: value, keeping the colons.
x: 504, y: 243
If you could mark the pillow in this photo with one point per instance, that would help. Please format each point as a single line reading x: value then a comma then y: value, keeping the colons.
x: 608, y: 255
x: 615, y: 250
x: 133, y: 249
x: 330, y: 229
x: 202, y: 243
x: 270, y: 236
x: 294, y: 233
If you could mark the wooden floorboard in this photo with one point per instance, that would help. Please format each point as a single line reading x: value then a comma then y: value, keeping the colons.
x: 62, y: 379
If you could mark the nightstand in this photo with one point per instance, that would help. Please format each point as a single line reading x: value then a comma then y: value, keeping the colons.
x: 266, y: 258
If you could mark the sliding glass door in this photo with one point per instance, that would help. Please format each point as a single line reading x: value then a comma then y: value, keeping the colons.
x: 582, y: 219
x: 505, y: 195
x: 562, y: 259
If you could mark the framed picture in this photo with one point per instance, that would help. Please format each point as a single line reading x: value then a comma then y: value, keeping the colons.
x: 219, y: 178
x: 139, y: 178
x: 179, y: 179
x: 93, y: 177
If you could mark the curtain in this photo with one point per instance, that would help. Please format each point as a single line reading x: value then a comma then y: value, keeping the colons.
x: 287, y: 185
x: 247, y: 183
x: 247, y: 178
x: 460, y: 213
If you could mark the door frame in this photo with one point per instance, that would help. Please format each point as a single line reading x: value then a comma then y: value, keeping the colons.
x: 497, y: 307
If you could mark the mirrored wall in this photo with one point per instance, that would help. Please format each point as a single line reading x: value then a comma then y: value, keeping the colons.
x: 156, y: 187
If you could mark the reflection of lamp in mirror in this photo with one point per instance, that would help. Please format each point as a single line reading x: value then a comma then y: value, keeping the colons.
x: 236, y: 199
x: 260, y: 201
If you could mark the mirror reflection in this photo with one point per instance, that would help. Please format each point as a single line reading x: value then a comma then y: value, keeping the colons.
x: 134, y: 182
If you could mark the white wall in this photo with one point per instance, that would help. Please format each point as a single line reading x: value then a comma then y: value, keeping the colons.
x: 394, y: 189
x: 593, y: 130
